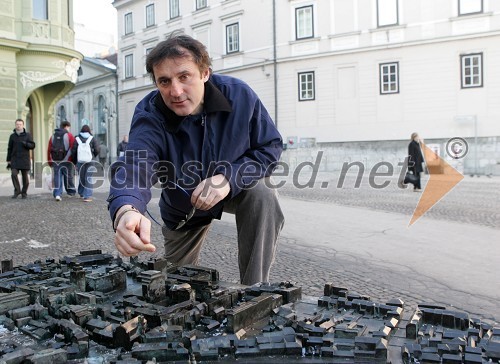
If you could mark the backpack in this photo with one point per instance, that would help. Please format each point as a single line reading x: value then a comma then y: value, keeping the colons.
x: 84, y: 151
x: 57, y: 149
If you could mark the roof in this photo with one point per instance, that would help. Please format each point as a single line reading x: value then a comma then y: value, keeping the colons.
x: 101, y: 62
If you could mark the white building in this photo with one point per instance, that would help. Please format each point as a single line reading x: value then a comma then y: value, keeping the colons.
x: 93, y: 102
x: 342, y: 76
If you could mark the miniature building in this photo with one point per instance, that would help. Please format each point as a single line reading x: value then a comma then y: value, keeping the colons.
x: 90, y: 304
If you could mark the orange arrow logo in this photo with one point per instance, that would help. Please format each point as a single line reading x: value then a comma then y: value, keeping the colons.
x: 440, y: 183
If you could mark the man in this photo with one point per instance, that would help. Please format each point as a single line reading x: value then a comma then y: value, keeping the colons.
x: 19, y: 158
x: 103, y: 154
x: 122, y: 146
x: 59, y: 157
x: 415, y: 159
x: 212, y: 144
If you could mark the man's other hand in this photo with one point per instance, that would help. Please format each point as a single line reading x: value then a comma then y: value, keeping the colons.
x: 210, y: 192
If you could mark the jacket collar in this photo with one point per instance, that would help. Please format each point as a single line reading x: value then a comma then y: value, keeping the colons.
x: 213, y: 101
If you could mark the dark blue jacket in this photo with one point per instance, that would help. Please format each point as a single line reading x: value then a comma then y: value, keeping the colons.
x: 234, y: 136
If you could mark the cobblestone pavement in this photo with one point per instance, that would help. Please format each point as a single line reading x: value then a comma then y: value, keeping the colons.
x: 39, y: 227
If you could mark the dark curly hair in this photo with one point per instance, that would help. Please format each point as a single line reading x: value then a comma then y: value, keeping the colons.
x: 178, y: 45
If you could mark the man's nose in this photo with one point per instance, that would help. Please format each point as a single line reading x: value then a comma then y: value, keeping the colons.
x: 176, y: 88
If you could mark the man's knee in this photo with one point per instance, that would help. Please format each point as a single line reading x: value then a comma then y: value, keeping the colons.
x: 262, y: 190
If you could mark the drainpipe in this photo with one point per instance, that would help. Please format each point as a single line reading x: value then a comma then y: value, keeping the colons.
x: 275, y: 67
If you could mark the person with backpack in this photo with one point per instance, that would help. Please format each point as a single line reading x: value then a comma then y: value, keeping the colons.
x: 83, y: 152
x: 59, y: 157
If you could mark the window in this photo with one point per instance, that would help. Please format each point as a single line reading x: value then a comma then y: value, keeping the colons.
x: 129, y: 66
x: 232, y: 38
x: 472, y: 70
x: 389, y: 78
x: 174, y: 9
x: 81, y: 115
x: 146, y: 52
x: 200, y: 4
x: 150, y: 15
x: 128, y: 23
x: 466, y: 7
x: 62, y: 113
x: 304, y: 22
x: 306, y: 86
x: 387, y: 13
x: 101, y: 117
x: 40, y: 9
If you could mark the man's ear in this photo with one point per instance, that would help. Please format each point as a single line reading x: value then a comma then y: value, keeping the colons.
x: 205, y: 75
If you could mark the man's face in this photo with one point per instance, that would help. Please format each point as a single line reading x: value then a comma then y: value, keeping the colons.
x: 19, y: 126
x: 181, y: 85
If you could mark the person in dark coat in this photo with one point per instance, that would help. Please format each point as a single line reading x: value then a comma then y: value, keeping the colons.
x: 122, y: 147
x: 19, y: 158
x: 415, y: 159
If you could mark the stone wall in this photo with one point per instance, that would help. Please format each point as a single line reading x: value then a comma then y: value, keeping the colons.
x: 331, y: 157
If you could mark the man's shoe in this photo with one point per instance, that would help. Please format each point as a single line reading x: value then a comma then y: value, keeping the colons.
x: 58, y: 198
x: 87, y: 199
x: 15, y: 195
x: 24, y: 195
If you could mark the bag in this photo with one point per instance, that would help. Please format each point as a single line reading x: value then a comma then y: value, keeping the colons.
x: 84, y: 151
x: 57, y: 150
x: 410, y: 178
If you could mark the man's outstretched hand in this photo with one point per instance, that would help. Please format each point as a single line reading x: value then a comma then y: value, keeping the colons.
x: 133, y: 233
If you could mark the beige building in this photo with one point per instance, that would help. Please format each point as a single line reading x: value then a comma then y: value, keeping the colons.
x: 38, y: 66
x: 353, y: 78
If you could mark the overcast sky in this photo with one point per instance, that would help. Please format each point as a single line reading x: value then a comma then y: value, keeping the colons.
x: 94, y: 19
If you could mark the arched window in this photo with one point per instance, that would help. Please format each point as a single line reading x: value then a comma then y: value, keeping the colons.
x: 61, y: 115
x: 101, y: 117
x: 80, y: 114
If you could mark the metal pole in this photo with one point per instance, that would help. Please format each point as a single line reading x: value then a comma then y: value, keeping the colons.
x: 476, y: 147
x: 275, y: 67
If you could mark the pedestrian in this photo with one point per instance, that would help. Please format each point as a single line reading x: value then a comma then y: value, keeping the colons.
x: 19, y: 158
x: 415, y: 159
x: 103, y: 154
x: 122, y: 146
x: 220, y: 146
x: 84, y: 150
x: 59, y: 157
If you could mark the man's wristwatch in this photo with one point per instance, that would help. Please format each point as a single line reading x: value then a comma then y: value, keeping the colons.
x: 120, y: 215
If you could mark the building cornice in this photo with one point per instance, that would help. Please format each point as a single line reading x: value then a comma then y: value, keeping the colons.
x: 97, y: 80
x: 444, y: 39
x: 135, y: 89
x: 121, y: 3
x: 12, y: 43
x: 38, y: 49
